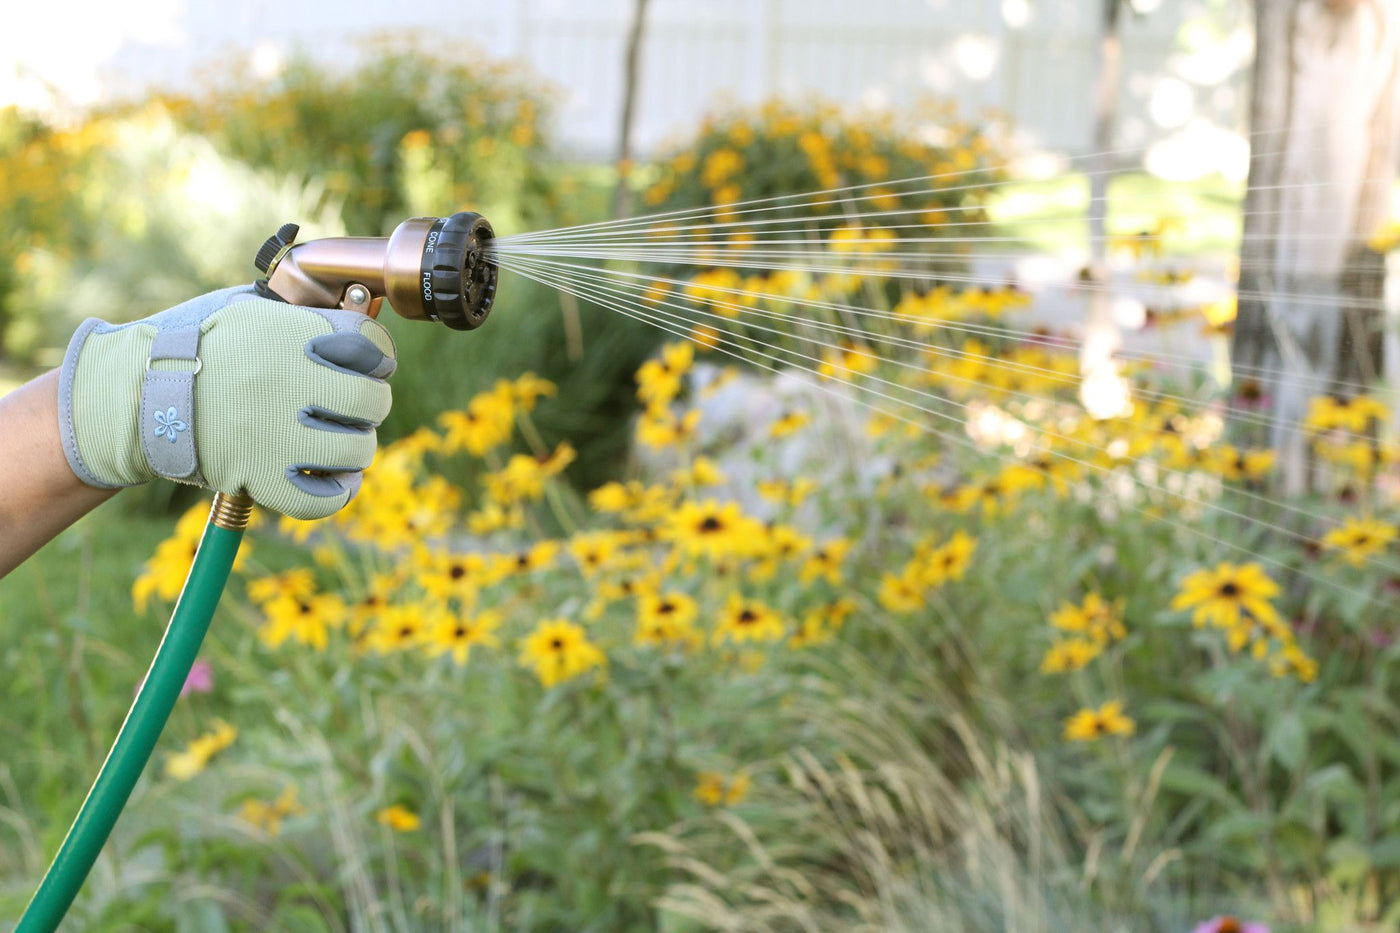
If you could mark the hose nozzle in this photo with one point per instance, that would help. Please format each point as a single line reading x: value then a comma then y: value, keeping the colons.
x: 429, y: 268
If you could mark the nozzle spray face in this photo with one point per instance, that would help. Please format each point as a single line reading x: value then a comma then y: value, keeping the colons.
x: 429, y: 268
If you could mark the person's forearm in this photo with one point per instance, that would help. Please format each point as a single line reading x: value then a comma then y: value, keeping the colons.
x: 39, y: 495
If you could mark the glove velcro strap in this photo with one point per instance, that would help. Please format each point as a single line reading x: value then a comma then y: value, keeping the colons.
x: 167, y: 406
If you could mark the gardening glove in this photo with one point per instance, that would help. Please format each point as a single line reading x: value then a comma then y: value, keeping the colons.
x: 233, y: 392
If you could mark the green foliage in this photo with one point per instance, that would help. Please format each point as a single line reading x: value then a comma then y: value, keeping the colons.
x: 781, y: 149
x: 405, y: 132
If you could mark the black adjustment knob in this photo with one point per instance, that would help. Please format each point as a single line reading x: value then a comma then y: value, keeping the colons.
x: 458, y: 277
x: 285, y: 236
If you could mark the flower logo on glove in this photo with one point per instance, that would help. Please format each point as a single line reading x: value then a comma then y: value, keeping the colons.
x: 168, y: 423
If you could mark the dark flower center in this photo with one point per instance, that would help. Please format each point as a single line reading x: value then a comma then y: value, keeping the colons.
x: 556, y: 644
x: 747, y: 617
x: 459, y: 632
x: 457, y: 572
x: 1230, y: 589
x: 711, y: 523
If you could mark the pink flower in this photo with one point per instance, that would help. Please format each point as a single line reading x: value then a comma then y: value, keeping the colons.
x: 1229, y: 924
x: 200, y: 679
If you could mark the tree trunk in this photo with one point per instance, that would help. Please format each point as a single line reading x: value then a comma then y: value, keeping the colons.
x: 1103, y: 389
x: 622, y: 198
x: 1324, y: 115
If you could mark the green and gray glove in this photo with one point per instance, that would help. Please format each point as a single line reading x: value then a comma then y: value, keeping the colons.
x: 233, y: 392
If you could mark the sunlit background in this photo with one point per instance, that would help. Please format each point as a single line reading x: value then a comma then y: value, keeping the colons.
x: 1183, y: 86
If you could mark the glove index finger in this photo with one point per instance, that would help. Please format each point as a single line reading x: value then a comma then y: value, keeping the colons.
x: 357, y: 344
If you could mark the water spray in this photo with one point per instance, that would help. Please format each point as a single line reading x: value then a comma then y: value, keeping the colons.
x: 429, y: 269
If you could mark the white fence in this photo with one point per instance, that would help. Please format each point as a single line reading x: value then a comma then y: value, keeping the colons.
x: 1035, y: 60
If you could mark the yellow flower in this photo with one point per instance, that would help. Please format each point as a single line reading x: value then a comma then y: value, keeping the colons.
x: 902, y: 593
x: 305, y: 620
x: 398, y: 628
x: 1100, y: 621
x: 1359, y: 540
x: 1070, y: 654
x: 486, y: 422
x: 299, y: 583
x: 788, y: 424
x: 748, y: 620
x: 659, y: 380
x: 720, y: 166
x: 446, y: 575
x: 949, y: 562
x: 826, y: 562
x: 711, y: 530
x: 186, y: 764
x: 1326, y: 413
x: 1222, y: 596
x: 455, y: 635
x: 1292, y: 660
x: 665, y: 617
x: 702, y: 471
x: 847, y: 360
x: 782, y: 492
x: 268, y: 817
x: 398, y: 818
x: 659, y: 428
x: 1089, y: 724
x: 713, y: 788
x: 559, y: 650
x: 164, y: 574
x: 595, y: 550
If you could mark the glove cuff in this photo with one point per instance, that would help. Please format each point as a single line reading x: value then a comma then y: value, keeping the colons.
x: 99, y: 397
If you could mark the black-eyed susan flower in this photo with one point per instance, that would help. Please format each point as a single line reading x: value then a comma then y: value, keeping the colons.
x: 712, y: 530
x: 788, y: 424
x: 713, y: 788
x: 1293, y: 661
x: 454, y: 634
x: 267, y: 816
x: 847, y: 360
x: 665, y: 618
x: 1359, y: 540
x: 659, y: 428
x: 305, y: 620
x: 1100, y: 621
x: 486, y: 422
x: 296, y: 584
x: 826, y: 562
x: 1089, y: 724
x: 528, y: 389
x: 596, y: 550
x: 1222, y: 596
x: 196, y: 756
x: 902, y: 592
x: 701, y: 471
x: 748, y: 620
x: 446, y: 575
x: 399, y: 628
x: 660, y: 380
x: 946, y: 563
x: 787, y: 493
x: 1326, y: 413
x: 1069, y: 654
x: 398, y: 818
x: 558, y: 650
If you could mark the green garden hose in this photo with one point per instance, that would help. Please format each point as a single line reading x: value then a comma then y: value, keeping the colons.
x: 147, y: 717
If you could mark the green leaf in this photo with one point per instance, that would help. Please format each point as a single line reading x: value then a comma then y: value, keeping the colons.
x: 1188, y: 779
x: 1288, y: 741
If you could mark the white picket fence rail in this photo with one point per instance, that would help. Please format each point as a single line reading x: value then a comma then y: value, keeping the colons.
x: 1034, y: 60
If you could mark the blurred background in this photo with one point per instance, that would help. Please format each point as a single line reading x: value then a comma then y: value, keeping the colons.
x: 1004, y: 736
